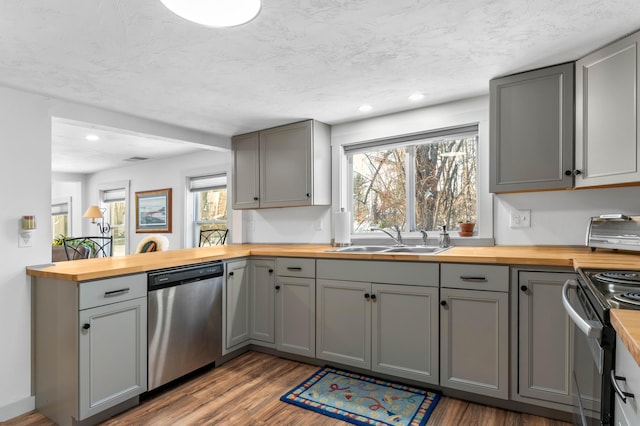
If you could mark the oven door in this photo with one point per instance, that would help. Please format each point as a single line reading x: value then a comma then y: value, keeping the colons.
x: 588, y: 356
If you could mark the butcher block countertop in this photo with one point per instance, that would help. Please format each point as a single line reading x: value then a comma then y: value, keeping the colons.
x: 572, y: 257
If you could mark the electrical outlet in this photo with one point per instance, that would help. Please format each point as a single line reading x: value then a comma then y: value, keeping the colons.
x: 520, y: 219
x: 319, y: 225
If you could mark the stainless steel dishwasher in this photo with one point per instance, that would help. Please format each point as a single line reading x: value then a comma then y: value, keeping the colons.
x: 184, y: 320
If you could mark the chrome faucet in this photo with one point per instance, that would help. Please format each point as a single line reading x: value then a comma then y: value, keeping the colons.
x: 397, y: 240
x: 424, y: 237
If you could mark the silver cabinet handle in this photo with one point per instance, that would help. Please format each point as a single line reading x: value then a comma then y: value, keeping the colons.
x: 622, y: 394
x: 116, y: 292
x: 474, y: 278
x: 589, y: 328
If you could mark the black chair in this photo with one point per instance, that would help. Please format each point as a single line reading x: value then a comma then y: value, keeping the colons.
x: 213, y: 237
x: 88, y: 247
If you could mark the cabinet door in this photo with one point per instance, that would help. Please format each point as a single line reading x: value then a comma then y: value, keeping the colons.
x: 531, y: 130
x: 296, y: 315
x: 607, y: 116
x: 343, y: 332
x: 246, y: 171
x: 405, y: 331
x: 544, y: 360
x: 237, y: 304
x: 626, y: 412
x: 262, y: 286
x: 113, y: 355
x: 285, y: 165
x: 474, y: 341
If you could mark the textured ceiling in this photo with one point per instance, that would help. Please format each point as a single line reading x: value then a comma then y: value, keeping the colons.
x: 299, y: 59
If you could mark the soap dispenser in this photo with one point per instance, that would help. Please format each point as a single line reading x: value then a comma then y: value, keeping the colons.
x: 444, y: 241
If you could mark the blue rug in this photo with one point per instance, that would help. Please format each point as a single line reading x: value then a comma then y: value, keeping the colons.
x: 363, y: 400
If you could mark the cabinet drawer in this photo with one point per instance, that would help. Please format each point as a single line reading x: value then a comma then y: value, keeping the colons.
x: 112, y: 290
x: 380, y: 271
x: 296, y: 267
x: 475, y: 277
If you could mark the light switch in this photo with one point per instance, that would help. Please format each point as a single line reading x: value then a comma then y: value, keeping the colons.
x: 520, y: 219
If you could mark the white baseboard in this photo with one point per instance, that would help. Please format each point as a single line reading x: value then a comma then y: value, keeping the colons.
x: 17, y: 408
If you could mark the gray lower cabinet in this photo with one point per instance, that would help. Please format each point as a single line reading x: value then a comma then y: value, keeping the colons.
x: 607, y: 114
x: 627, y: 372
x: 91, y: 347
x: 404, y: 331
x: 296, y: 306
x: 541, y: 359
x: 262, y: 285
x: 236, y: 306
x: 474, y: 329
x: 387, y: 328
x: 531, y: 130
x: 343, y: 331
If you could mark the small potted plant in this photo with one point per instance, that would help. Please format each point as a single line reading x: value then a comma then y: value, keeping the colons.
x: 466, y: 228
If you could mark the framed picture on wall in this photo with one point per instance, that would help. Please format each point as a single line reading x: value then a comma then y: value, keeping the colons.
x: 153, y: 211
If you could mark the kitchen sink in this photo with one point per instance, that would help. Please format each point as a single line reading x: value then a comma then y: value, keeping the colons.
x: 417, y: 249
x: 360, y: 249
x: 391, y: 249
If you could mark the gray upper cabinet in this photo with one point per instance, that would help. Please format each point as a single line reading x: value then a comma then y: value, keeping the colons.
x: 607, y: 115
x: 246, y: 171
x: 283, y: 166
x: 531, y: 130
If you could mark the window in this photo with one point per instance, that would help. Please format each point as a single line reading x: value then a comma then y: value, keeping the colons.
x: 114, y: 203
x: 209, y: 203
x: 417, y: 182
x: 60, y: 218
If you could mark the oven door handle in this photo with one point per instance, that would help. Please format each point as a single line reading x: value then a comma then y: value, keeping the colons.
x: 589, y: 328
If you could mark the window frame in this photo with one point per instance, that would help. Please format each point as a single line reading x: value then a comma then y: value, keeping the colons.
x: 408, y: 141
x: 192, y: 203
x: 103, y: 190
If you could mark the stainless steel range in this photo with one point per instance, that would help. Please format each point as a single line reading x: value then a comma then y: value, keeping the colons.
x: 588, y: 301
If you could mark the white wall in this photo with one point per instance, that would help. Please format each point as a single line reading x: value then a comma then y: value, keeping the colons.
x: 160, y: 174
x: 560, y: 217
x: 25, y: 173
x: 301, y: 225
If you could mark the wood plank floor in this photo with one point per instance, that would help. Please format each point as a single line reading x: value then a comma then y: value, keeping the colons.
x: 246, y: 391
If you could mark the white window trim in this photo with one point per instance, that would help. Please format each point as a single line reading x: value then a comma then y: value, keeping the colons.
x: 190, y: 230
x: 103, y: 187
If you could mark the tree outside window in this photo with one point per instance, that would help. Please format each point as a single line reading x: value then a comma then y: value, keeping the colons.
x: 422, y: 185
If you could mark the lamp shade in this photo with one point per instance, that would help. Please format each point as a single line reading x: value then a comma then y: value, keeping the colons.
x: 93, y: 212
x: 215, y: 13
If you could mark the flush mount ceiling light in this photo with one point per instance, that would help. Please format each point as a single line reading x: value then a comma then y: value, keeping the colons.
x: 92, y: 137
x: 365, y: 108
x: 415, y: 97
x: 215, y: 13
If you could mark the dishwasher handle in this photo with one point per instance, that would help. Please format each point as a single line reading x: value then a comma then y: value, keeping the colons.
x: 589, y: 328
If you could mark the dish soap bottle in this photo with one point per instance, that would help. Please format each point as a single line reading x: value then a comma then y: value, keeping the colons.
x: 444, y: 241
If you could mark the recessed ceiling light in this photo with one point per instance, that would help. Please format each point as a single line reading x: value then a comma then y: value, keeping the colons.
x: 219, y: 13
x: 92, y: 138
x: 365, y: 108
x: 416, y: 97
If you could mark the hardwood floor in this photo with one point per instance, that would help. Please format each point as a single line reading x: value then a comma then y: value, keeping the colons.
x: 246, y: 391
